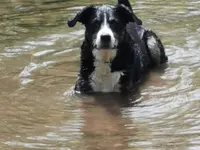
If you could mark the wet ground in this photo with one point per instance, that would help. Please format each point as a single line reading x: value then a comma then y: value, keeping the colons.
x: 39, y: 60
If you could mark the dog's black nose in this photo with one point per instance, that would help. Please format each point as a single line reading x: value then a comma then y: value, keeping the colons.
x: 105, y: 38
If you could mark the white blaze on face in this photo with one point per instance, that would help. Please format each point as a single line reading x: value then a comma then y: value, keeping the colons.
x: 105, y: 30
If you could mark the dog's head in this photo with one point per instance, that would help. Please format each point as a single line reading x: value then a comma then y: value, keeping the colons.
x: 105, y: 24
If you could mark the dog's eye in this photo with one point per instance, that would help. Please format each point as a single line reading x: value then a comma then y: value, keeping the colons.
x: 96, y: 23
x: 113, y: 22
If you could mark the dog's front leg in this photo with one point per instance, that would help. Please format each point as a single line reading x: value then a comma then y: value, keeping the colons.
x: 130, y: 76
x: 86, y: 68
x: 135, y: 70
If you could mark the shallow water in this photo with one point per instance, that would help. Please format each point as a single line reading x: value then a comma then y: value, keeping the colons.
x: 39, y: 60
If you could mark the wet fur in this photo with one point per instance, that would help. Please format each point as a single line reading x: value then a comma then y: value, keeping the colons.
x: 137, y: 52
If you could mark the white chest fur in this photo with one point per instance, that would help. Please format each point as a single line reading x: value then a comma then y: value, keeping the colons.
x: 102, y: 79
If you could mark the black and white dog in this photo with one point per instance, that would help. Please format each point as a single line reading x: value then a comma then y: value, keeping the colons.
x: 116, y: 52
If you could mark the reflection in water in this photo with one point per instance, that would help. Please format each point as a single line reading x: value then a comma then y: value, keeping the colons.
x: 39, y: 61
x: 104, y: 127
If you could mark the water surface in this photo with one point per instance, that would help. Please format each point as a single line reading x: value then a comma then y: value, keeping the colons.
x: 39, y: 61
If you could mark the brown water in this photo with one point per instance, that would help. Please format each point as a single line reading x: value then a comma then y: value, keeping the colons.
x: 39, y: 60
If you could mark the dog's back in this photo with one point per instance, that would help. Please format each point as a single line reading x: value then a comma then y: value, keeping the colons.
x: 147, y: 38
x: 149, y: 41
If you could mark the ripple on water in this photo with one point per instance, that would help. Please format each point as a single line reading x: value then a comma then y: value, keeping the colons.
x: 42, y: 57
x: 44, y: 52
x: 31, y: 67
x: 39, y: 116
x: 64, y: 131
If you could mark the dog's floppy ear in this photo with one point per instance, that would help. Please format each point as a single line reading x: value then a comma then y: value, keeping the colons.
x: 127, y: 14
x: 137, y: 20
x: 128, y: 5
x: 83, y: 16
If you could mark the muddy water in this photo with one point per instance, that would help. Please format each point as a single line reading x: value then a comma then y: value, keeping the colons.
x: 39, y: 60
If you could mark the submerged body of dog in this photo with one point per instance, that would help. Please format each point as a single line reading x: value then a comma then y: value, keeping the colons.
x: 116, y: 52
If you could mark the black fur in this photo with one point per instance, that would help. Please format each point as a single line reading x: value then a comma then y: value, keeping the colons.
x: 133, y: 56
x: 128, y: 5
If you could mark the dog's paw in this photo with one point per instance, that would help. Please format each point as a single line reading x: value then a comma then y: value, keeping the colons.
x: 82, y: 86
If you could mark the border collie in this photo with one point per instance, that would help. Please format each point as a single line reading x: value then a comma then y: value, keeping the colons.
x: 117, y: 51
